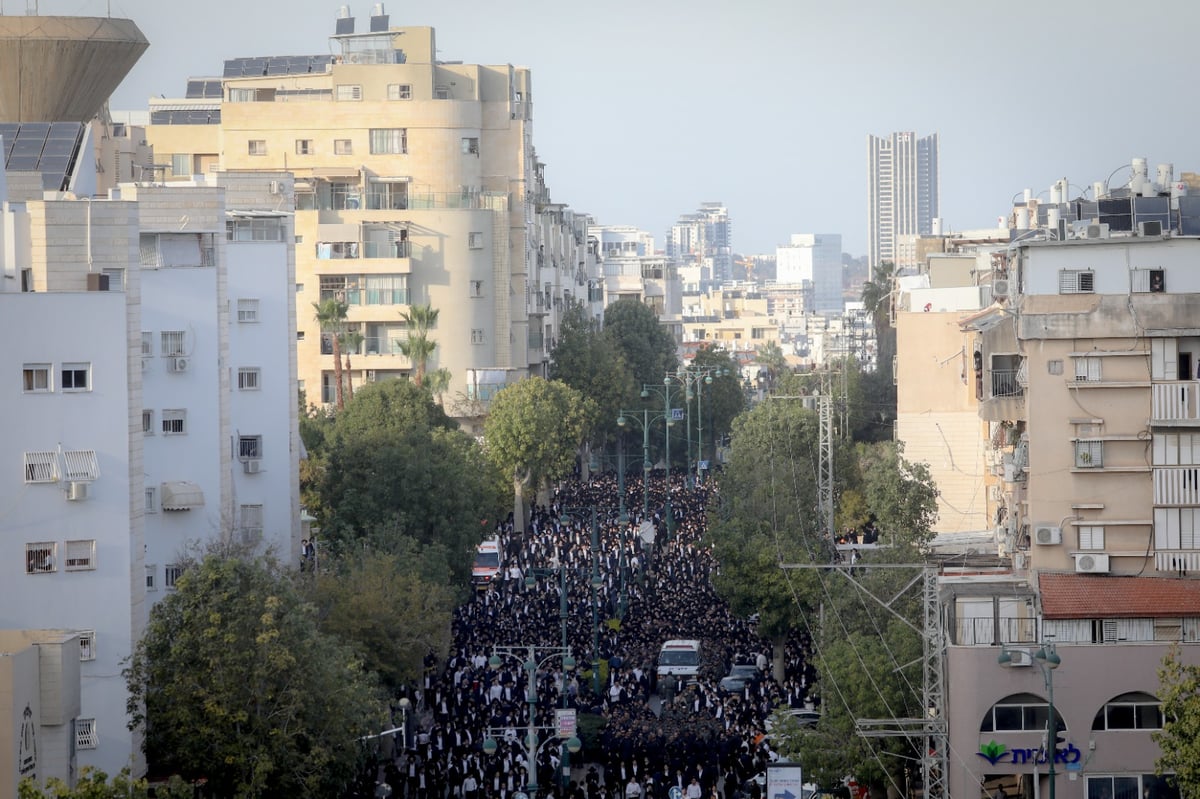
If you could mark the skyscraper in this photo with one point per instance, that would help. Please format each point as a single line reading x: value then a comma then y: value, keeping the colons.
x: 705, y: 239
x: 902, y: 191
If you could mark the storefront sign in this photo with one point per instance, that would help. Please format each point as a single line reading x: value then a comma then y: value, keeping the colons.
x: 995, y: 753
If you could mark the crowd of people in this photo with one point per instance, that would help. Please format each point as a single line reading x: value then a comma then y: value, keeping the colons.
x: 648, y: 580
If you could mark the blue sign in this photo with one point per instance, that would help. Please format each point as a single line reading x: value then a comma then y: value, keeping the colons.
x: 676, y: 792
x: 677, y: 414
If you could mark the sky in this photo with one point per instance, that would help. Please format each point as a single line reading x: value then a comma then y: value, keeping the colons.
x: 643, y: 109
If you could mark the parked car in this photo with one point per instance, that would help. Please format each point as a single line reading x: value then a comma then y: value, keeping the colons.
x: 738, y: 676
x: 805, y: 717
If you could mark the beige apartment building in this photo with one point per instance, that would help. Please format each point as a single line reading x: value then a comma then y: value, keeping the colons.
x: 416, y: 183
x: 1085, y: 371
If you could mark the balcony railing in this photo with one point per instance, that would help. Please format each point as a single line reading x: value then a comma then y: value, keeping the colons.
x: 1177, y: 485
x: 1175, y: 401
x: 1177, y: 560
x: 387, y: 249
x: 993, y: 632
x: 1004, y: 383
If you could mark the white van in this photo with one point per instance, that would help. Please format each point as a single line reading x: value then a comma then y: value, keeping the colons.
x: 487, y: 563
x: 680, y: 658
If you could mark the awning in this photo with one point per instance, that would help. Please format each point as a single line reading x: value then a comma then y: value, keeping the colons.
x: 336, y: 172
x: 256, y: 213
x: 1093, y: 596
x: 181, y: 495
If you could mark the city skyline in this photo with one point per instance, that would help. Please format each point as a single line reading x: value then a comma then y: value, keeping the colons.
x: 645, y: 112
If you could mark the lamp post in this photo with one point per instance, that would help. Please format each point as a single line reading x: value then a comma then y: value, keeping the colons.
x: 622, y: 521
x: 664, y: 391
x: 694, y: 379
x: 595, y: 585
x: 1047, y: 661
x: 647, y: 418
x: 531, y: 664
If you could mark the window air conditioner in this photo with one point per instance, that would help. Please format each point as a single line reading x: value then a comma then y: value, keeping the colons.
x: 1045, y: 535
x: 1151, y: 228
x: 1099, y: 231
x: 273, y: 187
x: 252, y: 466
x: 178, y: 364
x: 77, y: 491
x: 1091, y: 564
x: 1000, y: 288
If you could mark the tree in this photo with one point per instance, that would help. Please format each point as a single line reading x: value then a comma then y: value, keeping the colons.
x: 419, y: 347
x: 648, y: 348
x: 589, y: 362
x: 771, y: 358
x: 723, y: 398
x: 533, y: 434
x: 395, y: 466
x: 95, y: 784
x: 877, y: 298
x: 353, y: 340
x: 438, y: 382
x: 234, y: 683
x: 1179, y: 738
x: 379, y: 602
x: 331, y: 316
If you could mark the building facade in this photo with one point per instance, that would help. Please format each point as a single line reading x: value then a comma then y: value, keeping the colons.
x: 816, y: 260
x: 704, y: 240
x: 902, y: 191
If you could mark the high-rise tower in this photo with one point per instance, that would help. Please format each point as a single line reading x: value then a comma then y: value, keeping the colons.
x: 902, y: 191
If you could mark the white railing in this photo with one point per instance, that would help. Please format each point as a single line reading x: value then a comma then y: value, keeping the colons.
x: 1177, y: 485
x: 1176, y: 560
x: 1175, y: 401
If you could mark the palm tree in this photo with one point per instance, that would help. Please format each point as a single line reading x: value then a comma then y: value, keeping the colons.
x: 352, y: 340
x: 438, y: 381
x: 876, y: 296
x: 331, y: 316
x: 418, y: 347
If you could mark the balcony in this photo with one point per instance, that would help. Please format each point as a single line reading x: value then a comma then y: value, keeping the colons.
x: 1177, y: 560
x: 1004, y: 383
x: 338, y: 250
x: 993, y: 632
x: 1175, y: 403
x: 1177, y: 485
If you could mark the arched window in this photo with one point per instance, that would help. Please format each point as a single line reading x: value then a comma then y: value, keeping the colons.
x: 1018, y: 713
x: 1132, y: 711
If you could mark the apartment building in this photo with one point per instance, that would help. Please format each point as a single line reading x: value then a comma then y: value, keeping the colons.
x: 814, y: 261
x: 702, y: 244
x: 416, y: 183
x: 1085, y: 371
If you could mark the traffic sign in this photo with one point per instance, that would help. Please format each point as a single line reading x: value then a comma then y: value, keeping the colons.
x: 676, y: 792
x: 677, y: 414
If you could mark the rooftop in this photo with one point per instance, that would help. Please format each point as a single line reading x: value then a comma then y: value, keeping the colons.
x: 1086, y: 596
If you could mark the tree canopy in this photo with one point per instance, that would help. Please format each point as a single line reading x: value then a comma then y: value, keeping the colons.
x: 235, y: 683
x: 534, y: 430
x: 1179, y: 738
x: 647, y: 347
x: 395, y: 467
x: 590, y: 362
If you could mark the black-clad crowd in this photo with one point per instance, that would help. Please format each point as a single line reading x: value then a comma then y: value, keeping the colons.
x: 650, y: 581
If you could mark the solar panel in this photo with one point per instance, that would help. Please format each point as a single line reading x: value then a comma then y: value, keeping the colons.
x: 195, y: 89
x: 1117, y: 214
x: 64, y: 130
x: 23, y: 163
x: 1189, y: 215
x: 31, y: 147
x: 213, y: 88
x: 35, y: 129
x: 58, y: 147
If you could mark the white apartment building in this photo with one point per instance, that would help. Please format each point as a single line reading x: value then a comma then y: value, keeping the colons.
x: 813, y: 260
x: 703, y: 242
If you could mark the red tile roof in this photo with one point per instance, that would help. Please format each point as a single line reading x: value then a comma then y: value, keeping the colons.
x: 1093, y: 596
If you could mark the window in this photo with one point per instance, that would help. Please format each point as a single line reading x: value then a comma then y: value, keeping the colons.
x: 85, y: 734
x: 475, y: 241
x: 181, y: 164
x: 256, y: 147
x: 470, y: 146
x: 171, y: 574
x: 1017, y: 713
x: 1054, y: 366
x: 35, y: 378
x: 304, y: 147
x: 389, y: 141
x: 148, y: 421
x: 172, y: 343
x: 76, y: 377
x: 41, y: 467
x: 477, y: 336
x: 80, y: 556
x: 251, y: 523
x: 40, y: 557
x: 1131, y: 786
x: 386, y: 289
x: 247, y: 310
x: 116, y: 279
x: 1148, y: 281
x: 1133, y: 711
x: 441, y: 92
x: 1091, y: 536
x: 174, y: 422
x: 1089, y: 454
x: 399, y: 91
x: 151, y: 500
x: 1076, y: 281
x: 80, y: 464
x: 87, y: 644
x: 147, y: 344
x: 259, y: 229
x: 1087, y: 369
x: 248, y: 378
x: 151, y: 577
x: 343, y: 147
x: 249, y: 447
x: 348, y: 91
x: 476, y: 288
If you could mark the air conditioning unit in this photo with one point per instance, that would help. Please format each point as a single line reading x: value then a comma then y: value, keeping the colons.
x: 1091, y: 564
x: 252, y: 466
x: 77, y: 492
x: 1046, y: 535
x: 1020, y: 658
x: 274, y: 187
x: 1001, y: 288
x: 1153, y: 228
x: 177, y: 364
x: 1099, y: 231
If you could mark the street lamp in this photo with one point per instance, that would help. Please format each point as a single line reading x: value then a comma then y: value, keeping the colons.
x: 647, y: 418
x: 531, y: 664
x: 595, y: 583
x: 668, y: 417
x: 1047, y: 661
x: 694, y: 379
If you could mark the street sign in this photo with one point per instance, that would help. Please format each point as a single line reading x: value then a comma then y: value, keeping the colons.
x: 564, y: 720
x: 784, y: 781
x: 677, y: 414
x: 676, y: 792
x: 703, y: 465
x: 646, y: 531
